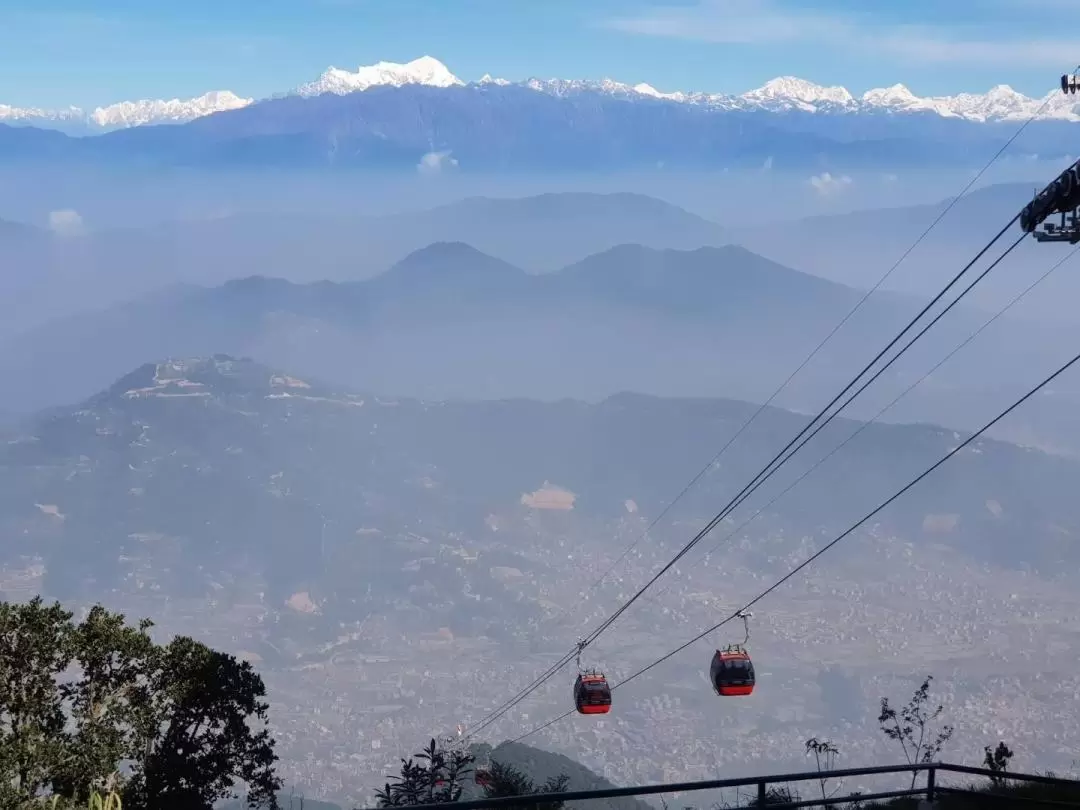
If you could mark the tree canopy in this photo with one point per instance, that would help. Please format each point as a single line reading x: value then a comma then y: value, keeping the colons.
x: 98, y: 706
x: 437, y: 775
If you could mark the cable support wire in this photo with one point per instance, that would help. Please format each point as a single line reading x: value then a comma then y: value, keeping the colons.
x: 774, y: 464
x: 787, y: 381
x: 593, y: 636
x: 783, y: 456
x: 779, y: 459
x: 864, y: 425
x: 846, y: 533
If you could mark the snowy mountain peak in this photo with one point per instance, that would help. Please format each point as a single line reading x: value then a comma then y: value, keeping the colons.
x: 886, y: 96
x: 127, y: 113
x: 782, y: 94
x: 19, y: 114
x: 175, y: 111
x: 793, y: 91
x: 426, y: 70
x: 1004, y: 91
x: 644, y: 89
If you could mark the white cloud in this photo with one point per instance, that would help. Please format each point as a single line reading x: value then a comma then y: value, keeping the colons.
x: 435, y: 162
x: 66, y: 222
x: 827, y: 185
x: 759, y: 22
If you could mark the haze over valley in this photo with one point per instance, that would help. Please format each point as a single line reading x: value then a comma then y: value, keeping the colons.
x: 396, y: 381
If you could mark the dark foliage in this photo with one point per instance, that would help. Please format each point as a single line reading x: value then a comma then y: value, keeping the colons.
x: 177, y: 717
x: 911, y: 727
x: 825, y: 755
x: 436, y: 775
x: 997, y: 761
x: 506, y: 780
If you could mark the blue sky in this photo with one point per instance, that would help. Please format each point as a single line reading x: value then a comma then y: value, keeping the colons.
x: 90, y: 52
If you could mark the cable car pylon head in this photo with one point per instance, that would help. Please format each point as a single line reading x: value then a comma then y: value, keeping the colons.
x: 1061, y: 195
x: 1070, y: 82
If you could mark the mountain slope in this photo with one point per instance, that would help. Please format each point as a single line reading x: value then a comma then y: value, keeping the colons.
x: 403, y: 116
x: 857, y: 248
x: 451, y: 321
x: 780, y: 95
x: 57, y: 277
x: 541, y: 765
x: 75, y: 121
x: 550, y: 231
x: 397, y: 566
x: 12, y: 233
x: 249, y: 443
x: 487, y: 128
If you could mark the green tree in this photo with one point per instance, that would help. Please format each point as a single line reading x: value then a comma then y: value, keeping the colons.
x: 34, y: 652
x: 197, y: 739
x: 436, y: 778
x: 506, y: 780
x: 912, y: 727
x: 80, y: 701
x: 108, y: 702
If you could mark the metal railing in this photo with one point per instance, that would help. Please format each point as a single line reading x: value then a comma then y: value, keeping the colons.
x: 931, y: 791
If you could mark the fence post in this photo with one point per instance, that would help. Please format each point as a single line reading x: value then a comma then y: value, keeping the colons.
x: 761, y: 794
x: 930, y: 784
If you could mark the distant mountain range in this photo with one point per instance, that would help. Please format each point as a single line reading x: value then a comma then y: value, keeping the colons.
x: 410, y: 560
x: 391, y: 116
x: 782, y: 94
x: 858, y: 248
x: 448, y: 321
x: 451, y: 321
x: 538, y: 233
x: 264, y: 454
x: 55, y: 275
x: 124, y: 114
x: 607, y: 313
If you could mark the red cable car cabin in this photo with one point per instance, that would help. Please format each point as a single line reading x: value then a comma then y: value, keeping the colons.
x: 732, y: 672
x: 592, y: 695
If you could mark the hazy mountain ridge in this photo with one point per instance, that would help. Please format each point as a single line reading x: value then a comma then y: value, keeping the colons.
x: 264, y: 453
x: 76, y: 121
x: 858, y: 248
x: 782, y: 94
x: 457, y: 313
x: 404, y: 565
x: 450, y: 321
x: 498, y: 127
x: 58, y: 274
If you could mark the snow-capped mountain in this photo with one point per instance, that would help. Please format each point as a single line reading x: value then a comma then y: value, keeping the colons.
x: 426, y: 70
x: 785, y: 94
x: 138, y: 113
x: 789, y: 93
x: 126, y: 113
